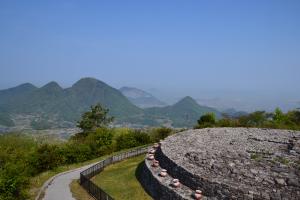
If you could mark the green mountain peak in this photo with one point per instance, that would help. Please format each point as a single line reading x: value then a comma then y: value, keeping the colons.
x: 52, y: 86
x: 88, y: 81
x: 187, y: 100
x: 54, y: 106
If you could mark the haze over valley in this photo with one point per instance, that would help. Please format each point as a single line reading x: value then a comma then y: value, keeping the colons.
x: 141, y: 100
x: 52, y: 107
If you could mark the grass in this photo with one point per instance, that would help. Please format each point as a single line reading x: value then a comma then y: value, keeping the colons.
x: 256, y: 156
x: 119, y: 180
x: 78, y: 192
x: 282, y: 160
x: 37, y: 181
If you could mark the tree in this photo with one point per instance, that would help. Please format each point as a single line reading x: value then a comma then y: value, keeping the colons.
x: 278, y: 116
x: 255, y: 119
x: 160, y: 133
x: 96, y: 118
x: 294, y: 116
x: 207, y: 120
x: 46, y: 157
x: 100, y: 141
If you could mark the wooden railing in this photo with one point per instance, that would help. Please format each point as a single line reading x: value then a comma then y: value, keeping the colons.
x: 87, y: 174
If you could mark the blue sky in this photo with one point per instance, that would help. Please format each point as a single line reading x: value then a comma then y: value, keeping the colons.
x: 204, y: 49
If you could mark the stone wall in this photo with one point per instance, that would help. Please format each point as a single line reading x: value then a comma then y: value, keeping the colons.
x: 227, y: 163
x: 193, y: 181
x: 162, y: 187
x: 156, y: 188
x: 235, y: 163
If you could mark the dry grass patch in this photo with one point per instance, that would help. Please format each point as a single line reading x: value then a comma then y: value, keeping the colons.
x: 78, y: 192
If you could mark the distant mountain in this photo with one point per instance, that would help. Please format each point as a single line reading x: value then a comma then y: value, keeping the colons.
x: 52, y: 106
x: 88, y: 91
x: 231, y: 112
x: 14, y: 95
x: 5, y: 119
x: 141, y: 98
x: 184, y: 113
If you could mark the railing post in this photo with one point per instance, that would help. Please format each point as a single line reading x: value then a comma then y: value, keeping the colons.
x: 87, y: 174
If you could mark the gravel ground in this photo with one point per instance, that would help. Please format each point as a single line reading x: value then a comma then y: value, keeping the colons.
x: 252, y: 159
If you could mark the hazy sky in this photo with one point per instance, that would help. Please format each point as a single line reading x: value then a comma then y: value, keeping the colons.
x: 186, y: 47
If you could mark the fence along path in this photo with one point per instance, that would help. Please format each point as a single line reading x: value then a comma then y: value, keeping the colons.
x: 85, y: 176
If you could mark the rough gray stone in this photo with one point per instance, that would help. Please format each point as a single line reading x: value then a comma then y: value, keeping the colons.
x: 293, y: 182
x: 280, y: 181
x: 230, y: 162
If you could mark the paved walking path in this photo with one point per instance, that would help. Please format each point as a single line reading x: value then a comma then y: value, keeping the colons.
x: 57, y: 187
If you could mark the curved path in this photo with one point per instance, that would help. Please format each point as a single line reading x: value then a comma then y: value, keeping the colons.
x: 57, y: 187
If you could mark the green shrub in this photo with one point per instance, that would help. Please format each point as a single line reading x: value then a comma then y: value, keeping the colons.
x: 14, y: 173
x: 226, y: 122
x: 207, y: 120
x: 259, y: 119
x: 76, y: 152
x: 131, y: 138
x: 46, y: 157
x: 160, y: 133
x: 141, y: 137
x: 294, y: 116
x: 125, y: 140
x: 100, y: 141
x: 13, y: 182
x: 100, y: 137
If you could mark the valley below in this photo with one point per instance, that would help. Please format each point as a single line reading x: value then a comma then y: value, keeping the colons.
x: 53, y: 109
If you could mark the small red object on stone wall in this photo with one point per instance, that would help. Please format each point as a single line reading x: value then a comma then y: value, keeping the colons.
x: 163, y: 173
x: 176, y: 183
x: 198, y: 194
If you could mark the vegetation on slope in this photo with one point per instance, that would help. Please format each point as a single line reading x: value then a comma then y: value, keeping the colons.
x: 22, y: 157
x: 15, y: 151
x: 52, y: 106
x: 260, y: 119
x: 51, y: 101
x: 6, y: 120
x: 182, y: 114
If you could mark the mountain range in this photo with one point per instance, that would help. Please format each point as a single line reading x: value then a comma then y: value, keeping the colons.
x: 53, y: 106
x: 141, y: 98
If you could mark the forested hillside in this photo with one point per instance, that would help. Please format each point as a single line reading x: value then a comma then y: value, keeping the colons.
x: 52, y: 106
